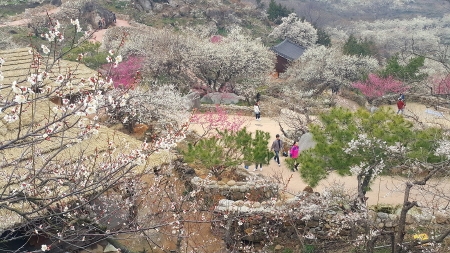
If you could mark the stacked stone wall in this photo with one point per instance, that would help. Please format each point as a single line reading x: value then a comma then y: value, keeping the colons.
x: 254, y: 188
x: 244, y: 222
x: 437, y: 102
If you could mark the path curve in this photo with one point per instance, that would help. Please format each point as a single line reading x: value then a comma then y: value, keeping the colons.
x: 385, y: 189
x: 97, y: 36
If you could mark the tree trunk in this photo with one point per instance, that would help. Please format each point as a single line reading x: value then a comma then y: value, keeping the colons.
x: 400, y: 236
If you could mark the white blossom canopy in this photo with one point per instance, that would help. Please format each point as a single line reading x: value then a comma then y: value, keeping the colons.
x: 300, y: 32
x: 235, y: 59
x: 329, y: 66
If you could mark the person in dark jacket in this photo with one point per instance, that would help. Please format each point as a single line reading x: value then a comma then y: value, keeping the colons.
x: 277, y: 145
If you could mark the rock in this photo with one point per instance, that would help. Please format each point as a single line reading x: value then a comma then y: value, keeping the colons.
x: 372, y: 215
x: 409, y: 219
x: 382, y: 216
x: 393, y: 217
x: 239, y: 203
x: 92, y: 13
x: 221, y: 98
x: 278, y: 247
x: 56, y: 2
x: 110, y: 248
x: 389, y: 224
x: 306, y: 141
x: 226, y: 202
x: 441, y: 218
x: 231, y: 183
x: 447, y: 241
x: 426, y: 217
x: 380, y: 225
x: 346, y: 207
x: 256, y: 205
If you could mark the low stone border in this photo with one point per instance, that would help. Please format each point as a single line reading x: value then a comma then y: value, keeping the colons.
x: 254, y: 188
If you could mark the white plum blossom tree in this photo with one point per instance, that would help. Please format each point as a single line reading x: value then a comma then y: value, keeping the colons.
x: 163, y: 105
x: 320, y: 67
x: 65, y: 178
x: 300, y: 32
x: 235, y: 60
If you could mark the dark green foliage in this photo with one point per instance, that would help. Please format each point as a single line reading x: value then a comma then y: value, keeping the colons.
x: 407, y: 73
x: 259, y: 147
x: 93, y: 57
x: 276, y: 11
x: 360, y: 48
x: 323, y: 38
x: 339, y: 127
x: 229, y: 149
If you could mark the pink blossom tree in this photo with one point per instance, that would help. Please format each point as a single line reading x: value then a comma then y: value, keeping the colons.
x: 218, y: 119
x: 127, y: 73
x: 375, y: 87
x: 441, y: 85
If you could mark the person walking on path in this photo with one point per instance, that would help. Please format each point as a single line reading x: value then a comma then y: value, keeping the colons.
x: 257, y: 111
x: 277, y: 145
x: 100, y: 24
x: 293, y: 153
x: 400, y: 105
x: 402, y: 97
x: 114, y: 17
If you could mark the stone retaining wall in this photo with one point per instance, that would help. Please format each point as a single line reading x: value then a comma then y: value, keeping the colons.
x: 305, y: 217
x: 254, y: 188
x: 231, y: 109
x: 428, y: 100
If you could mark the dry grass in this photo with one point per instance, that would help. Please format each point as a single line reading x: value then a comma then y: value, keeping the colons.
x: 64, y: 147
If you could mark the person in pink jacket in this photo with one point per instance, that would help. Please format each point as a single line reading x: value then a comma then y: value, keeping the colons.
x: 293, y: 153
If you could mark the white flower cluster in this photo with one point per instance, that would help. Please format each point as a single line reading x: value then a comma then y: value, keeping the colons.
x: 54, y: 34
x: 110, y: 58
x: 443, y: 148
x: 363, y: 143
x: 423, y: 33
x: 236, y: 57
x: 76, y: 23
x: 321, y: 64
x: 292, y: 27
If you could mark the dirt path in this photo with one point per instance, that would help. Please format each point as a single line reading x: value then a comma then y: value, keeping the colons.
x: 25, y: 21
x: 97, y: 36
x: 385, y: 189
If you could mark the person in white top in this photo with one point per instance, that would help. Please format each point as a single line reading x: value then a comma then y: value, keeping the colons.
x: 257, y: 111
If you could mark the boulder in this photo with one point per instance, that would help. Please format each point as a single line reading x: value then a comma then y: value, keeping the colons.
x: 231, y: 183
x: 306, y: 142
x: 110, y: 248
x: 193, y: 100
x: 92, y: 13
x: 221, y: 98
x: 441, y: 218
x: 56, y: 2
